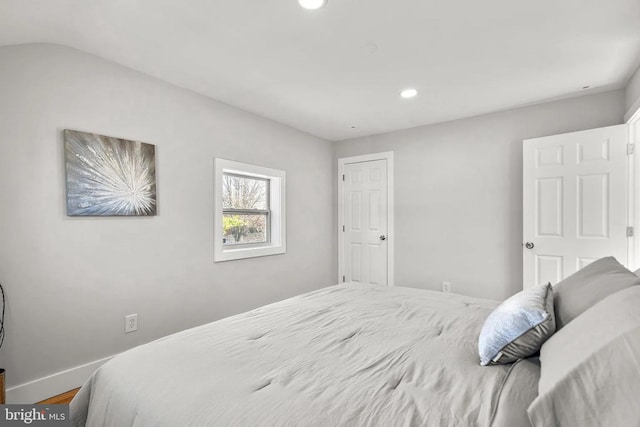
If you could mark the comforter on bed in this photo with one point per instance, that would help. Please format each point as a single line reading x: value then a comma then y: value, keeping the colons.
x: 347, y: 355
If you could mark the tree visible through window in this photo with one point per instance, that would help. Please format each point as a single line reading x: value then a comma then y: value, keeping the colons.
x: 246, y: 214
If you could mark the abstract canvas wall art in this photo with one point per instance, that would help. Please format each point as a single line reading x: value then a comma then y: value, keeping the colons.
x: 109, y: 176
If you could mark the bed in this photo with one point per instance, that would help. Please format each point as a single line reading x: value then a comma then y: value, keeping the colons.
x: 346, y: 355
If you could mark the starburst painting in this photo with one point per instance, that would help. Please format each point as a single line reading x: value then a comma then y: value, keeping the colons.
x: 109, y: 176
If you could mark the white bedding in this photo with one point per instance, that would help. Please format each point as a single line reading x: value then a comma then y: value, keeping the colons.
x: 347, y: 355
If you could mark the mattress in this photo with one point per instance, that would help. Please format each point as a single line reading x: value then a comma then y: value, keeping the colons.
x: 347, y: 355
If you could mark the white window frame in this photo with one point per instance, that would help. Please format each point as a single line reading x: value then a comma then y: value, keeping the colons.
x: 277, y: 206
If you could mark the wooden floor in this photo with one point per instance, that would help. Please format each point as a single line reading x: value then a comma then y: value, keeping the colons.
x: 61, y: 399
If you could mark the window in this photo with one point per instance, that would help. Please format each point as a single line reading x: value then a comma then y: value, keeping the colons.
x: 250, y: 211
x: 245, y: 210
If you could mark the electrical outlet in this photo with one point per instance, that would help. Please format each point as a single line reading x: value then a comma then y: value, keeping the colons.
x: 446, y: 287
x: 130, y: 323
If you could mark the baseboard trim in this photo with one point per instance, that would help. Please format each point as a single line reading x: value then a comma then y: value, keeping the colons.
x: 54, y: 384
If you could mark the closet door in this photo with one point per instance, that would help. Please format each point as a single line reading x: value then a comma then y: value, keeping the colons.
x: 364, y: 236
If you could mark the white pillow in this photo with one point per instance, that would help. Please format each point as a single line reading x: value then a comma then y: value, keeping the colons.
x: 518, y: 327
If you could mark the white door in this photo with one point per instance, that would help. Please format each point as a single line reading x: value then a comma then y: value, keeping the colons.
x: 365, y: 222
x: 575, y: 202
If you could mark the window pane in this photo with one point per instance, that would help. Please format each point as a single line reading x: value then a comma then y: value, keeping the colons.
x: 241, y: 192
x: 240, y: 229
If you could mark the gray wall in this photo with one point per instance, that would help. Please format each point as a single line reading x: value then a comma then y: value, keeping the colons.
x: 70, y: 281
x: 632, y: 94
x: 458, y: 191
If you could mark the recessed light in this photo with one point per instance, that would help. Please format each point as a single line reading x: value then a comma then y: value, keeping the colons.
x: 312, y: 4
x: 409, y: 93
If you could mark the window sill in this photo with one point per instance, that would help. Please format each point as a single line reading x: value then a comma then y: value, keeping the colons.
x: 251, y: 252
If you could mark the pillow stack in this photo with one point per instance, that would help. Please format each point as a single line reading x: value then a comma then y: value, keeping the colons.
x: 590, y: 368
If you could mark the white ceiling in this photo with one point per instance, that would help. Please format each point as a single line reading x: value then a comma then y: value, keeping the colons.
x: 342, y: 66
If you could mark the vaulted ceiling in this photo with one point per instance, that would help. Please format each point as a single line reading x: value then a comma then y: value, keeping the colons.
x: 337, y: 72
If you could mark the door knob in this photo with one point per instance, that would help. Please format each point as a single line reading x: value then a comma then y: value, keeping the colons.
x: 529, y: 245
x: 383, y: 237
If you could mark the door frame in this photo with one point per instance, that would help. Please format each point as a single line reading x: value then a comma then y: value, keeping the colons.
x: 388, y: 156
x: 633, y: 170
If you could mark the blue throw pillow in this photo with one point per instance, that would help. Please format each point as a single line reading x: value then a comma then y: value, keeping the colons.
x: 518, y: 327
